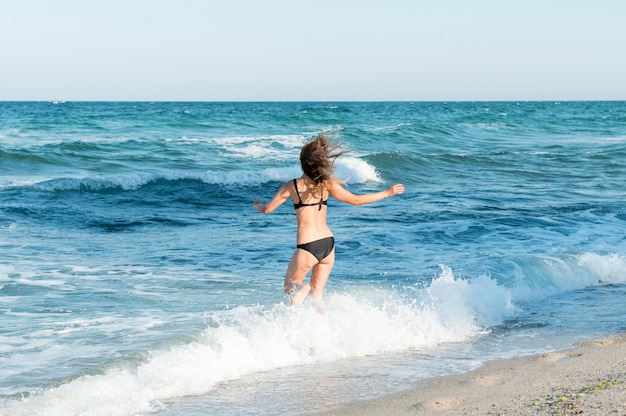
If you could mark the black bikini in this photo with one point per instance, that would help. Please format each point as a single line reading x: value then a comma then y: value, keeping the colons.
x: 300, y: 204
x: 319, y: 248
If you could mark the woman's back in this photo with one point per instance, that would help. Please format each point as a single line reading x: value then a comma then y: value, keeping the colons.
x: 310, y: 203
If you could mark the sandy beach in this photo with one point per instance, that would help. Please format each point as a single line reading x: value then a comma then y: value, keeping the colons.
x: 587, y: 380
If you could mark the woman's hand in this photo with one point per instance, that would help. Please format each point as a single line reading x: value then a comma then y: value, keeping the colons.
x: 396, y: 189
x: 258, y: 205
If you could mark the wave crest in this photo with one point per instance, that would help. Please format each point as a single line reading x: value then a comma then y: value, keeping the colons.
x: 355, y: 170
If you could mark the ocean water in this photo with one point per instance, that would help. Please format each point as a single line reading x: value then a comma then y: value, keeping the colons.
x: 135, y: 277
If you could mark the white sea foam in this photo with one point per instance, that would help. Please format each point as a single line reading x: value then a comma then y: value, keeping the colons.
x: 481, y: 298
x: 541, y: 277
x: 5, y: 269
x: 603, y: 269
x: 389, y: 128
x: 358, y: 322
x: 13, y: 182
x: 350, y: 169
x: 615, y: 139
x: 246, y: 340
x: 40, y: 282
x: 274, y: 148
x: 355, y: 170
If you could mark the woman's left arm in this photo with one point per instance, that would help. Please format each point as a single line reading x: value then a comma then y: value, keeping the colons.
x: 281, y: 196
x: 343, y: 195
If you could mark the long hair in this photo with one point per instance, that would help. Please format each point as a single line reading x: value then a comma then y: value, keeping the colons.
x: 317, y: 159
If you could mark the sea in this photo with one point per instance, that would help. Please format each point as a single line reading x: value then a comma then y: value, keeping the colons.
x: 136, y: 279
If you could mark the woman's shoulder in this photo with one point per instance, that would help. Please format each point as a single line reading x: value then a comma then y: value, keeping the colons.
x: 336, y: 182
x: 302, y: 182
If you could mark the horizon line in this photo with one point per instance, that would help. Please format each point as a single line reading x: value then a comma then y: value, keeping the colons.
x: 308, y: 101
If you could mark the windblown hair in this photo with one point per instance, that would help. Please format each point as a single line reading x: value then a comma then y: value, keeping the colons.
x: 317, y: 159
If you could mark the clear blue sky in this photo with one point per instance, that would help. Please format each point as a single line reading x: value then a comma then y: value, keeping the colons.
x: 213, y: 50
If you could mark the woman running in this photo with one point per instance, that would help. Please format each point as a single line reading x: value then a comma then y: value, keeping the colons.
x: 315, y: 245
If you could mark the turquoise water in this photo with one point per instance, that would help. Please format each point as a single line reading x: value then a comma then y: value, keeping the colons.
x: 136, y: 278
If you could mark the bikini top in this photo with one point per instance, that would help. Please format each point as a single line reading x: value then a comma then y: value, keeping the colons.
x: 301, y: 204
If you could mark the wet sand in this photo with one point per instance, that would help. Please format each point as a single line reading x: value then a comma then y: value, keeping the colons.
x: 587, y: 380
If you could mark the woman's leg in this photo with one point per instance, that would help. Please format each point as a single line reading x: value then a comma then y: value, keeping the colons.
x: 319, y: 277
x: 301, y: 262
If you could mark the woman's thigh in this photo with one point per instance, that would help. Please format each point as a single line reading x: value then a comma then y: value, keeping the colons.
x: 321, y: 272
x: 301, y: 263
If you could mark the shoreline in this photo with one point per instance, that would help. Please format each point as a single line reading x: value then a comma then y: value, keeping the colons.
x: 589, y: 379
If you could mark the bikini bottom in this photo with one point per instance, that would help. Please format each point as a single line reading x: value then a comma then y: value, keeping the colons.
x: 319, y: 248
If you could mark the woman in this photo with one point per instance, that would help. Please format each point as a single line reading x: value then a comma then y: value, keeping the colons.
x: 315, y: 247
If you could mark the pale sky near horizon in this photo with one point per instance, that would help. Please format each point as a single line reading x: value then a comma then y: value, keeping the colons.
x: 322, y: 50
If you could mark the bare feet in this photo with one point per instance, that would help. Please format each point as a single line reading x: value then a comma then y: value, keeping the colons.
x: 299, y: 296
x: 319, y: 304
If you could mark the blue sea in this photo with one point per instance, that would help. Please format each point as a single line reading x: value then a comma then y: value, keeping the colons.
x: 135, y: 277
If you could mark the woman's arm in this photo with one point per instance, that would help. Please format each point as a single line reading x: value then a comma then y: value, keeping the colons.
x: 342, y: 194
x: 281, y: 196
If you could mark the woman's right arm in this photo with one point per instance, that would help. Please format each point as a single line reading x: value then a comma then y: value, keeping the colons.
x: 281, y: 196
x: 343, y: 195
